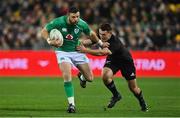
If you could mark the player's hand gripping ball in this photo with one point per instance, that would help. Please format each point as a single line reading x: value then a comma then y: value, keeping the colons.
x: 55, y: 38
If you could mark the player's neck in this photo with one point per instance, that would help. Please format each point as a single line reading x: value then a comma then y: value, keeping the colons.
x: 68, y: 22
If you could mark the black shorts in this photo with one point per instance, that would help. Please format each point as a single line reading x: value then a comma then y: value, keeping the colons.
x: 127, y: 68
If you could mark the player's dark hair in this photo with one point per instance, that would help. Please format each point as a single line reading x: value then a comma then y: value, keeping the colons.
x: 73, y: 9
x: 105, y: 27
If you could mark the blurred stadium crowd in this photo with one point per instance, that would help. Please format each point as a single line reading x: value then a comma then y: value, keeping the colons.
x: 140, y: 24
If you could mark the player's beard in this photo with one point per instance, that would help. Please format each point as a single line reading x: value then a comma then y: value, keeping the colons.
x: 73, y: 23
x: 103, y: 39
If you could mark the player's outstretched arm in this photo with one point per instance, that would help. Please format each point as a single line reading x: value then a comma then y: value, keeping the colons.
x: 94, y: 38
x: 45, y: 35
x: 86, y: 42
x: 96, y: 52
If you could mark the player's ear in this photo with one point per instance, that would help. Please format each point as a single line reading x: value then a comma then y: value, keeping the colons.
x: 68, y: 14
x: 110, y: 32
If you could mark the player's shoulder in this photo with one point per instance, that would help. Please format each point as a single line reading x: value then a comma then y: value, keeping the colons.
x: 82, y: 23
x: 114, y: 38
x: 60, y: 19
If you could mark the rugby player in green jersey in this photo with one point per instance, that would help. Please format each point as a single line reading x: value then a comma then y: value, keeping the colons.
x: 71, y: 26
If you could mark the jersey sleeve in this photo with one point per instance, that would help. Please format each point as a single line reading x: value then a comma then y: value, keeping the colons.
x: 52, y: 25
x: 86, y: 29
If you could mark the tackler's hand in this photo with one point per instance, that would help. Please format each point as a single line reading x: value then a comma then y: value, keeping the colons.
x: 106, y: 51
x: 105, y: 45
x: 81, y: 48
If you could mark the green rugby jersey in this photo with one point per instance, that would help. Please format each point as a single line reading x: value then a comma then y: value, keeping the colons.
x: 71, y: 33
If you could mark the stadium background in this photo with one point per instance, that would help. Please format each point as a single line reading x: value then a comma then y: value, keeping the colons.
x: 149, y: 28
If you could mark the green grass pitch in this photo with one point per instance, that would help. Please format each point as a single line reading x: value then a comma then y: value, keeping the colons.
x: 36, y: 97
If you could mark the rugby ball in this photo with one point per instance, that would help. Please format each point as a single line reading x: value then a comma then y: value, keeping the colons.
x: 56, y: 34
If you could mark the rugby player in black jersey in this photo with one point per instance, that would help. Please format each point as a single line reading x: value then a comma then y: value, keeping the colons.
x: 118, y: 58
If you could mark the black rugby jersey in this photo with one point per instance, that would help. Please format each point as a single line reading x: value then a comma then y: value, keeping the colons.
x: 119, y: 52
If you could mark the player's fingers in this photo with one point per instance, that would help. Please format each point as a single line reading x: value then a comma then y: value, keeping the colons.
x: 106, y: 44
x: 78, y: 48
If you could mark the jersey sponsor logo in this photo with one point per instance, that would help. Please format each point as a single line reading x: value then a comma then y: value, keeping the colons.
x: 76, y: 30
x: 64, y: 29
x: 69, y: 37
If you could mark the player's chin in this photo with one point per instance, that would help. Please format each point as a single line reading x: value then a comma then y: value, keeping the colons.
x: 74, y: 23
x: 103, y: 40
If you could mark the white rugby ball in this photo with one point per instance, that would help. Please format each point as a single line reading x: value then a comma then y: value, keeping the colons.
x: 56, y: 34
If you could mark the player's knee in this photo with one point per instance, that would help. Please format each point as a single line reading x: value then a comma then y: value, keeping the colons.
x: 133, y: 86
x: 90, y: 78
x: 105, y: 81
x: 134, y: 89
x: 66, y: 76
x: 105, y: 78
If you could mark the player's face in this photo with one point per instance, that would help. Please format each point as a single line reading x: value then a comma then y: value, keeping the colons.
x: 73, y: 18
x: 104, y: 35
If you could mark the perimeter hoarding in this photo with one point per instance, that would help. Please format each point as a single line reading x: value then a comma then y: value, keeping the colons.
x: 43, y: 63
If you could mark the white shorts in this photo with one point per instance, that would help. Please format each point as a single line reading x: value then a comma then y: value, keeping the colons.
x: 74, y: 58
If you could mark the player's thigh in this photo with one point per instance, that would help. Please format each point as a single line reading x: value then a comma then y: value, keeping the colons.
x: 132, y: 84
x: 63, y: 57
x: 128, y: 70
x: 65, y: 68
x: 107, y: 73
x: 110, y: 69
x: 81, y: 61
x: 65, y: 64
x: 79, y: 58
x: 85, y: 70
